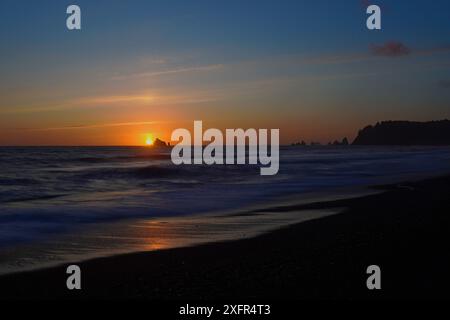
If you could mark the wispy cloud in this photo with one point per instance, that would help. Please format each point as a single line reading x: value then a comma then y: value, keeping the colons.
x: 94, y: 126
x: 86, y: 102
x: 131, y: 100
x: 392, y: 49
x: 115, y: 99
x: 375, y: 52
x: 169, y: 72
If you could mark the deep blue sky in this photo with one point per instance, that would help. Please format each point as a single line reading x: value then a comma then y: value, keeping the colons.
x: 310, y: 68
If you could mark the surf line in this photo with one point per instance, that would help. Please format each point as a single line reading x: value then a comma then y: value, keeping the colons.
x: 234, y: 145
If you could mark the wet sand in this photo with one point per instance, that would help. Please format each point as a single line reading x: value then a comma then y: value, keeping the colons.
x: 404, y: 230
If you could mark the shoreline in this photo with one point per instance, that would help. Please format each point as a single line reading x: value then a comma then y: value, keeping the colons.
x: 132, y: 236
x: 402, y: 229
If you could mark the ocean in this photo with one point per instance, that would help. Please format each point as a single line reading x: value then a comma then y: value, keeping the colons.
x: 60, y: 204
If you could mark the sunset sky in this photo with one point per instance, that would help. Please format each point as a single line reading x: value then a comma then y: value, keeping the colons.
x: 310, y: 68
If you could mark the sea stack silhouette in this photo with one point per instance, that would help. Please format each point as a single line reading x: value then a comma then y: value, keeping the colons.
x: 406, y: 133
x: 159, y: 143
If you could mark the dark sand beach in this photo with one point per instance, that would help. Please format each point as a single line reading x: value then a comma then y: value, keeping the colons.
x: 404, y: 230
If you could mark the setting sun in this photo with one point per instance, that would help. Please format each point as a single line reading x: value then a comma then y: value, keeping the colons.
x: 149, y: 140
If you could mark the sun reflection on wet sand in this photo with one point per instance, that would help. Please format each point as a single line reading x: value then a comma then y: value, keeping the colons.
x: 150, y: 235
x: 156, y: 234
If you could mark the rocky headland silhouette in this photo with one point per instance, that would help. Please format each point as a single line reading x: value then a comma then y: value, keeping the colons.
x: 405, y: 133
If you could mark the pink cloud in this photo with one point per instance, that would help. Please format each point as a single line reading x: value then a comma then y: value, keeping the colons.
x: 390, y: 49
